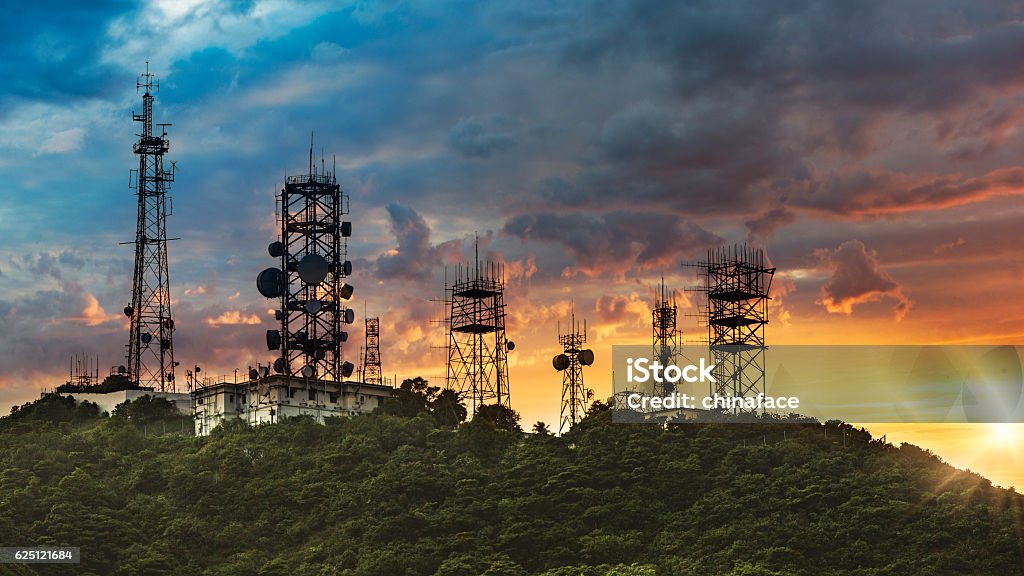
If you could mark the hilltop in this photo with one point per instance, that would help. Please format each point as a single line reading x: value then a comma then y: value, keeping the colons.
x: 390, y: 495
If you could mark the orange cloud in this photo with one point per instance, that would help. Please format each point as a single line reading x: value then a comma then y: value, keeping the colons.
x: 93, y: 314
x: 857, y: 278
x: 233, y: 317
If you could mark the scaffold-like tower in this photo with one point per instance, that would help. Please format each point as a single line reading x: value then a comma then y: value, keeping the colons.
x: 477, y: 344
x: 309, y: 281
x: 371, y: 373
x: 570, y: 363
x: 667, y: 335
x: 151, y: 333
x: 737, y: 283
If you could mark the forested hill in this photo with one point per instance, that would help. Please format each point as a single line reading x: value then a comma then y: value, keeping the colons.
x: 391, y: 495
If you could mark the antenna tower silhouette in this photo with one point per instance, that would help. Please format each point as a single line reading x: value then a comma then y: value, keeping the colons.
x: 151, y: 336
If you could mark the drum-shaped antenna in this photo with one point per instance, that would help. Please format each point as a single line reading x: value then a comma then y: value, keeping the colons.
x: 510, y: 345
x: 312, y: 269
x: 350, y: 316
x: 308, y: 371
x: 560, y: 362
x: 278, y: 315
x: 276, y: 249
x: 346, y: 291
x: 128, y: 311
x: 270, y: 283
x: 264, y: 371
x: 346, y: 267
x: 165, y: 343
x: 585, y: 357
x: 319, y: 354
x: 312, y: 306
x: 121, y: 369
x: 273, y: 339
x: 347, y: 368
x: 253, y: 374
x: 146, y: 337
x: 346, y: 229
x: 279, y: 365
x: 343, y: 336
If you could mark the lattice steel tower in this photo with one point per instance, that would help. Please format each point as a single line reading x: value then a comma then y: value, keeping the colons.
x: 570, y: 363
x: 477, y: 344
x: 737, y: 283
x: 151, y: 338
x: 310, y: 282
x: 668, y: 341
x: 371, y: 356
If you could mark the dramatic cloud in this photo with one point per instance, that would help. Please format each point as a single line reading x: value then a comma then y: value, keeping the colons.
x: 857, y: 278
x: 618, y: 242
x: 415, y: 257
x: 593, y: 146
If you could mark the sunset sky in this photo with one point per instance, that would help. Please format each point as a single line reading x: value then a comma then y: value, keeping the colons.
x: 873, y: 148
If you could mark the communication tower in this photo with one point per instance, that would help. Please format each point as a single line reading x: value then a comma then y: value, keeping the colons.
x: 570, y: 363
x: 477, y: 344
x: 667, y: 336
x: 737, y: 283
x: 371, y: 354
x: 151, y: 336
x: 309, y: 281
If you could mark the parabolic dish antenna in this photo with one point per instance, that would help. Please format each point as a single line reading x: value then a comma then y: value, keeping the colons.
x: 312, y: 268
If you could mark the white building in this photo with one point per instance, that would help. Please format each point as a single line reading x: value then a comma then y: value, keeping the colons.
x: 268, y: 399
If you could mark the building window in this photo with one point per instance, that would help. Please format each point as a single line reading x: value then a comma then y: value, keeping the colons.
x: 291, y: 393
x: 231, y: 397
x: 312, y: 394
x: 334, y: 397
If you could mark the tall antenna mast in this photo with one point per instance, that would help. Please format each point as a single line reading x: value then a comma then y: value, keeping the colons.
x: 151, y: 337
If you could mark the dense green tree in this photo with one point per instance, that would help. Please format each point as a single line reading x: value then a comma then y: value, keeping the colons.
x: 387, y: 495
x: 500, y: 416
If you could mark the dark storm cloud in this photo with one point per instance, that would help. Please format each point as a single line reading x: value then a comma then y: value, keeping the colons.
x: 618, y: 242
x: 755, y: 89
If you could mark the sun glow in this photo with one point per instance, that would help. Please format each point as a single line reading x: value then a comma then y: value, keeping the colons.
x: 1003, y: 433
